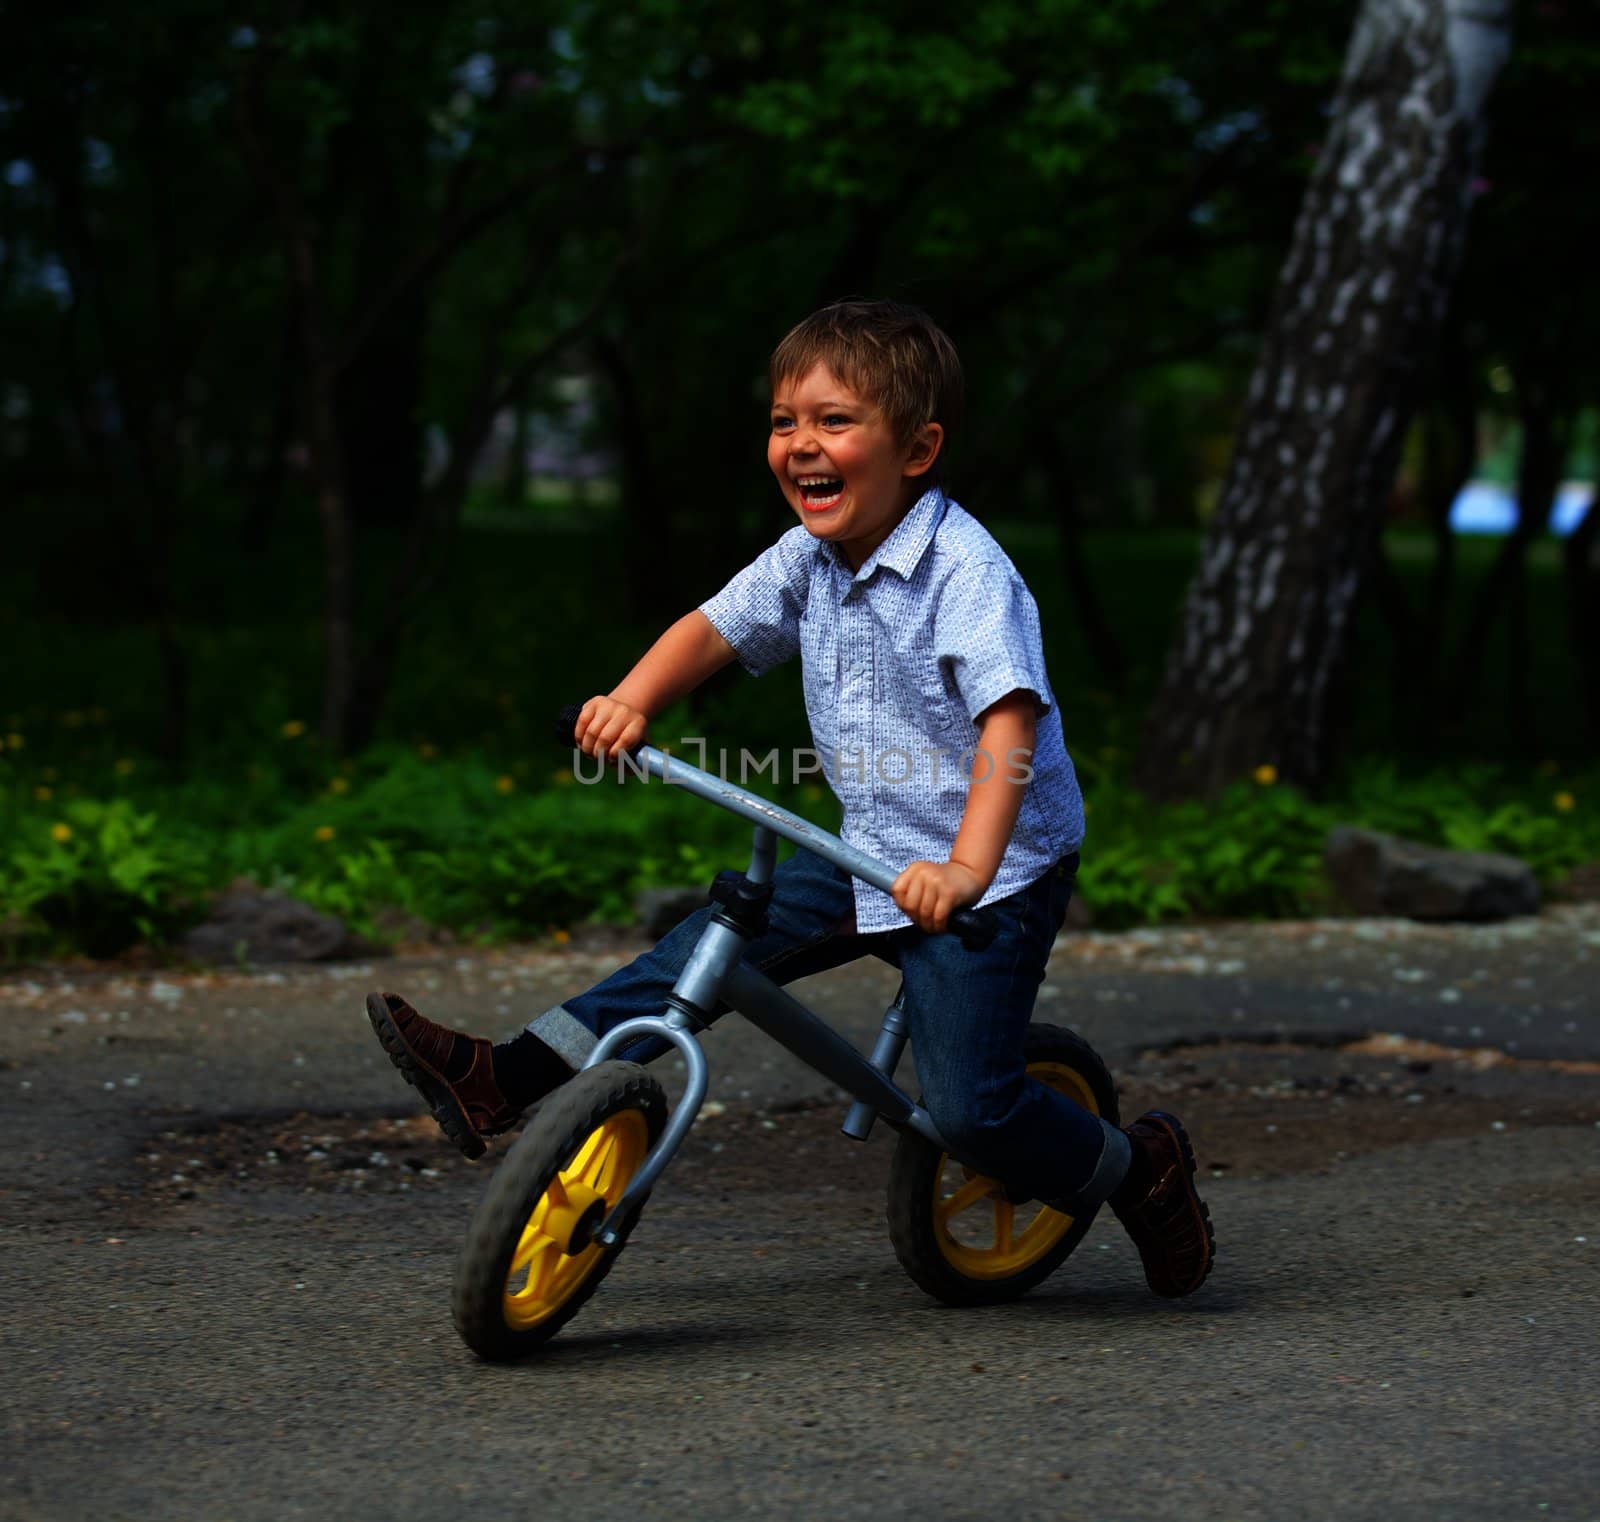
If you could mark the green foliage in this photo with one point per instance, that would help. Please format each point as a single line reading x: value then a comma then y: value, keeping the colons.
x: 442, y: 843
x: 1472, y: 809
x: 1256, y: 851
x: 448, y: 842
x: 93, y: 876
x: 455, y: 844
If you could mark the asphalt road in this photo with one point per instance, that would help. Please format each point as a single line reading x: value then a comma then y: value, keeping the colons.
x: 228, y: 1242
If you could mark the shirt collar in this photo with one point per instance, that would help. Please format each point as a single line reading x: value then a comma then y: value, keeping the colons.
x: 907, y: 541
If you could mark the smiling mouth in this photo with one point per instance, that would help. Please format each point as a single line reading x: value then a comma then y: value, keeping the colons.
x: 818, y: 493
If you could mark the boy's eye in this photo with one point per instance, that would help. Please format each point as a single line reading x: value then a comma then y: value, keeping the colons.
x: 829, y: 420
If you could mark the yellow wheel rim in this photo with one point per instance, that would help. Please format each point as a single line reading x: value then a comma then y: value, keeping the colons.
x: 980, y: 1232
x: 543, y: 1275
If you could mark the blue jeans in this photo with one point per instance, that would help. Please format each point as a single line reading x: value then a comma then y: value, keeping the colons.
x: 968, y: 1012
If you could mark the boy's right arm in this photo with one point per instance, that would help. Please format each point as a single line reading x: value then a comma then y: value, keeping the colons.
x: 678, y: 662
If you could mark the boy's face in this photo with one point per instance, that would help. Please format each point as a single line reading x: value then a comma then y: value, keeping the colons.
x: 839, y: 464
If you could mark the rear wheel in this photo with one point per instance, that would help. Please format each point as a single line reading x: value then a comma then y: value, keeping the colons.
x: 955, y: 1232
x: 529, y: 1261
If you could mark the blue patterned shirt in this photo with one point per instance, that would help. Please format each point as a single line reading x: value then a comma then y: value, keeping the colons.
x: 898, y: 659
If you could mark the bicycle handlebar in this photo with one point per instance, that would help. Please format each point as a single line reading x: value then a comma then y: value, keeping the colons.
x: 974, y: 928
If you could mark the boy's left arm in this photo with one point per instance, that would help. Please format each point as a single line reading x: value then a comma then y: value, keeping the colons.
x: 928, y: 892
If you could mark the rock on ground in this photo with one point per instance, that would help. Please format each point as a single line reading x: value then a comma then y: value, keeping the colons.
x: 1383, y: 874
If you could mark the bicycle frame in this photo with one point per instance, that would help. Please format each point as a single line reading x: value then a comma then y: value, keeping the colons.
x: 715, y: 974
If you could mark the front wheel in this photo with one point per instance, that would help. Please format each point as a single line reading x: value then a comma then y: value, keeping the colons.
x: 955, y: 1232
x: 529, y: 1261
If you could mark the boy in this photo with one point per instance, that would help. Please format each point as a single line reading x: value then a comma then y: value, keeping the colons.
x: 919, y: 644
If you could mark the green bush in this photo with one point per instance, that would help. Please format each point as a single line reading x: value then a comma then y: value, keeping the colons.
x: 1536, y: 818
x: 454, y: 844
x: 1256, y: 850
x: 94, y: 877
x: 493, y: 854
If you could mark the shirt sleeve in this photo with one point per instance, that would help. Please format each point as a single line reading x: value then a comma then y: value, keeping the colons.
x: 758, y: 612
x: 986, y: 636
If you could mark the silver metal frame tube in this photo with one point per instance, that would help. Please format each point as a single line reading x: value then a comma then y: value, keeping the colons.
x: 763, y: 855
x: 714, y: 954
x: 886, y: 1053
x: 750, y: 806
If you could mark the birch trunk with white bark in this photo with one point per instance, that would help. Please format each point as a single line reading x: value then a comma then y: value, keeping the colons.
x: 1357, y: 307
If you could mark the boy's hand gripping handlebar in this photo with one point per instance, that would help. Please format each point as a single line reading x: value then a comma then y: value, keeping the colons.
x: 975, y: 928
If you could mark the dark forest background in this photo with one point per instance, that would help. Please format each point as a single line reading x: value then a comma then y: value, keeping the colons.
x: 375, y: 380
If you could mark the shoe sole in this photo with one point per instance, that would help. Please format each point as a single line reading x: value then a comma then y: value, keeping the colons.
x: 1176, y: 1128
x: 441, y: 1103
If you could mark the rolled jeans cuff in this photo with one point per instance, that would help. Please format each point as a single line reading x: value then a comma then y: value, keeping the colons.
x: 567, y: 1036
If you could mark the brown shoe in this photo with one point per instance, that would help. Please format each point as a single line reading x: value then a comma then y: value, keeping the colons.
x: 1170, y: 1225
x: 468, y: 1108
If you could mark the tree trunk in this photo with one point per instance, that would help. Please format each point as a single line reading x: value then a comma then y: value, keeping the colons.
x: 378, y: 401
x: 1104, y: 647
x: 338, y: 549
x: 514, y: 483
x: 1544, y: 450
x: 1417, y: 637
x: 148, y: 390
x: 265, y: 502
x: 1358, y: 303
x: 1406, y: 661
x: 1450, y: 457
x: 379, y: 176
x: 644, y: 547
x: 1580, y: 563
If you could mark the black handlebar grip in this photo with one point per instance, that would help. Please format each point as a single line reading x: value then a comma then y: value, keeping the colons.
x: 567, y: 726
x: 974, y: 928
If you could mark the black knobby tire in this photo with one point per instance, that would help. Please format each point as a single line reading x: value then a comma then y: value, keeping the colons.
x: 931, y: 1251
x: 625, y: 1108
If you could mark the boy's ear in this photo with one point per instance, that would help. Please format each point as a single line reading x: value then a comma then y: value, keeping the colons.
x: 925, y: 447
